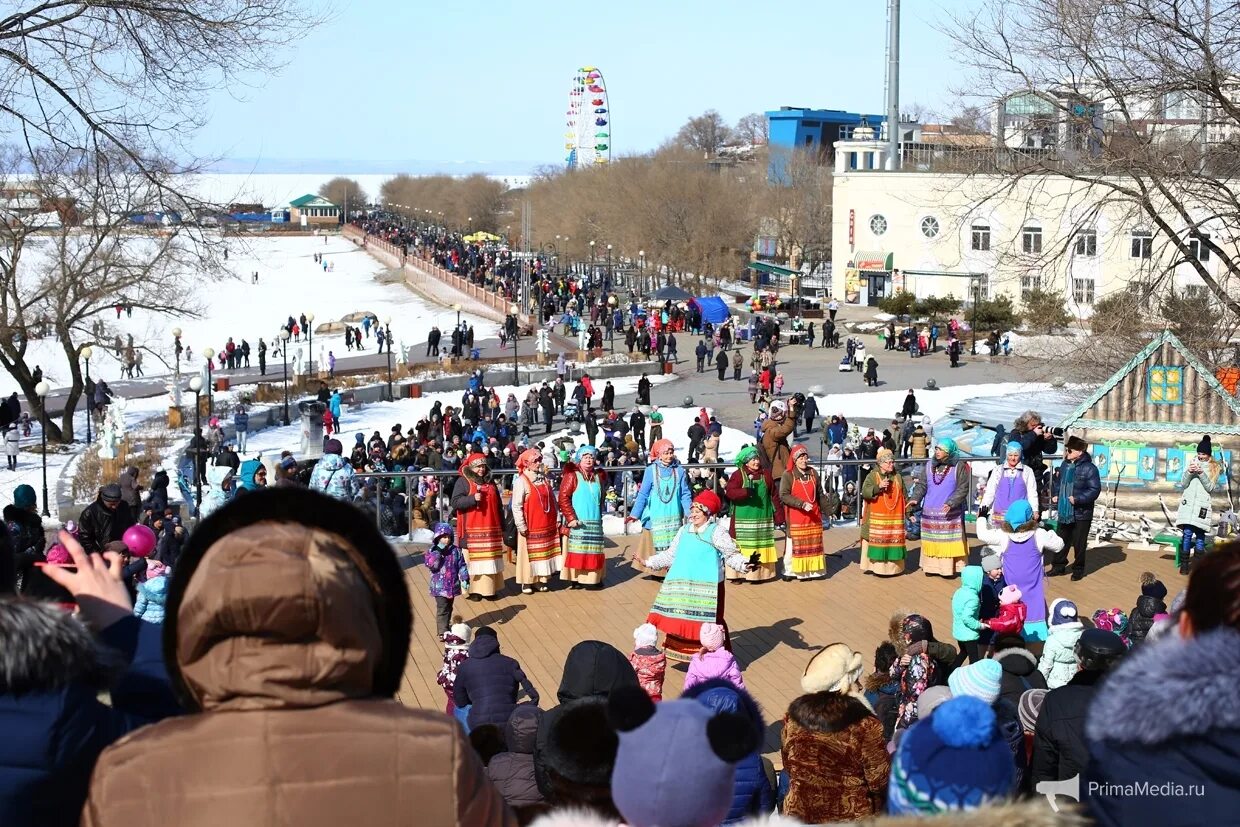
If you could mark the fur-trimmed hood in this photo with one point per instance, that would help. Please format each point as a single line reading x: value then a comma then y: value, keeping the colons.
x: 1017, y: 661
x: 1170, y: 688
x: 43, y: 649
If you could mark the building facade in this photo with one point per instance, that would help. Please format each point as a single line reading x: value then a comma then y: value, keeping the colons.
x: 936, y: 233
x: 313, y: 210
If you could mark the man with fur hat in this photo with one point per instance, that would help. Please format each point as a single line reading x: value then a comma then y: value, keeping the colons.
x: 692, y: 593
x: 1195, y: 517
x: 832, y: 744
x: 288, y: 674
x: 1076, y: 488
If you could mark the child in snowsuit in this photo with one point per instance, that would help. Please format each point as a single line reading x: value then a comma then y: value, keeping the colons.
x: 1012, y: 612
x: 648, y: 660
x: 1149, y: 605
x: 455, y: 652
x: 713, y: 661
x: 152, y: 593
x: 448, y: 574
x: 1058, y: 663
x: 1113, y: 620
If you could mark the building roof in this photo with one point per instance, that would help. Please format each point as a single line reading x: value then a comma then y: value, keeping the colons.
x: 310, y: 200
x: 1102, y: 410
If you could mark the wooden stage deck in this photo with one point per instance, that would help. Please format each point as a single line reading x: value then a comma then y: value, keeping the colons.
x: 776, y: 626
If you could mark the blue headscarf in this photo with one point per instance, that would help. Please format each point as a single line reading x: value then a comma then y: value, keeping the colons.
x: 583, y: 450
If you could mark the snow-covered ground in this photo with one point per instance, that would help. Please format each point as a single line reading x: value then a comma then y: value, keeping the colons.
x: 934, y: 404
x: 290, y: 283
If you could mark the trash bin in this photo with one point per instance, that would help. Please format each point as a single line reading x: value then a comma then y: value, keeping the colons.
x: 311, y: 428
x: 667, y: 367
x: 415, y: 391
x: 221, y: 383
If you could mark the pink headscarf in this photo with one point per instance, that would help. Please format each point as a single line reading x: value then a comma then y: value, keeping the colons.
x: 659, y: 446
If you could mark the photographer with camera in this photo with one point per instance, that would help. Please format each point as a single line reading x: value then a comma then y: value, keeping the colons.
x: 1036, y: 440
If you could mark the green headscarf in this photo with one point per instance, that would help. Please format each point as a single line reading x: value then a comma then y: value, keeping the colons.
x: 745, y: 454
x: 949, y: 446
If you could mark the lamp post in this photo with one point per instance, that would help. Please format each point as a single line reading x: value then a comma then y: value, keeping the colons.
x: 591, y: 281
x: 611, y: 327
x: 609, y: 273
x: 516, y: 334
x: 209, y: 354
x: 195, y: 385
x: 641, y: 272
x: 41, y: 391
x: 387, y: 336
x: 977, y: 296
x: 284, y: 336
x: 310, y: 333
x: 87, y: 352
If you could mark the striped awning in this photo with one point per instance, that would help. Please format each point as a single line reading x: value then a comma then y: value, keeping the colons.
x: 872, y: 260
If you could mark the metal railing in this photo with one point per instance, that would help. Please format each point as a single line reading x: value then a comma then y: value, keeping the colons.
x: 629, y: 486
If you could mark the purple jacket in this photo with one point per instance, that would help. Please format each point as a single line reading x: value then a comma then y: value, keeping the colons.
x: 447, y: 567
x: 718, y: 664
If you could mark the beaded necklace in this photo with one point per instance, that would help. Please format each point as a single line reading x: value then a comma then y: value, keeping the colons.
x: 666, y: 491
x: 940, y: 476
x: 544, y: 501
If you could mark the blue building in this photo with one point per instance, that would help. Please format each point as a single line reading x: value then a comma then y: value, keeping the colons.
x: 815, y: 130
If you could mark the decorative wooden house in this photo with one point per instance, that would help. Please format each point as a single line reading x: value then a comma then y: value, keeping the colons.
x: 1143, y: 425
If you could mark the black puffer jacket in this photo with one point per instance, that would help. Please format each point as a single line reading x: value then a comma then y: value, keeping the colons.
x: 1141, y: 618
x: 512, y: 772
x: 591, y: 670
x: 490, y: 682
x: 1059, y: 747
x: 1020, y: 672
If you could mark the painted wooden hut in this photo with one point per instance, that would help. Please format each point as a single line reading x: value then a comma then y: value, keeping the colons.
x: 1143, y: 425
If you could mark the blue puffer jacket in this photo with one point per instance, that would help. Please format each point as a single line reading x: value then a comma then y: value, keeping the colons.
x: 967, y: 604
x: 752, y: 793
x: 152, y: 596
x: 489, y: 683
x: 53, y: 734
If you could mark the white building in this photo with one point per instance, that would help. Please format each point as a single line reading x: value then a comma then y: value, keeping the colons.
x: 936, y: 233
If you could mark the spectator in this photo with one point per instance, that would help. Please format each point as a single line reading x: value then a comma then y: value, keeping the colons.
x: 105, y: 520
x: 713, y: 661
x: 489, y: 683
x: 648, y: 660
x: 1020, y: 669
x: 1077, y: 486
x: 287, y: 670
x: 333, y: 476
x: 52, y: 670
x: 512, y: 771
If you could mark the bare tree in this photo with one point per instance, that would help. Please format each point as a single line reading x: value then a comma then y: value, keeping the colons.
x: 799, y: 208
x: 752, y: 129
x: 63, y: 283
x: 345, y: 193
x: 705, y: 133
x: 1141, y: 91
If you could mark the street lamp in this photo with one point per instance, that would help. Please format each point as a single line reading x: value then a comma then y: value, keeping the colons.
x: 284, y: 336
x: 977, y: 297
x: 591, y: 281
x: 611, y: 325
x: 310, y: 333
x: 609, y: 273
x: 41, y: 390
x: 516, y: 333
x: 87, y: 352
x: 641, y: 271
x: 387, y: 331
x: 195, y: 385
x: 209, y: 353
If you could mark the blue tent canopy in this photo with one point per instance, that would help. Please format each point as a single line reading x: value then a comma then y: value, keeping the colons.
x: 714, y: 309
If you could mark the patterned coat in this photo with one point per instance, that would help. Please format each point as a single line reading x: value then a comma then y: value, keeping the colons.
x: 836, y: 759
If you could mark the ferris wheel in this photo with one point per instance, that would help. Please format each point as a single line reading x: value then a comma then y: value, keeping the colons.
x: 587, y: 138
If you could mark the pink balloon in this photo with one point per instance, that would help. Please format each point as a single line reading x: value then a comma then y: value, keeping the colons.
x: 140, y: 540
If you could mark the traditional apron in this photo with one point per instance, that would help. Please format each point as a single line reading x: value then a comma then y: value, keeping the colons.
x: 690, y: 595
x: 663, y: 507
x: 1009, y: 489
x: 482, y: 535
x: 883, y: 550
x: 583, y: 555
x: 1022, y: 568
x: 540, y: 548
x: 753, y: 522
x: 804, y: 555
x: 943, y: 544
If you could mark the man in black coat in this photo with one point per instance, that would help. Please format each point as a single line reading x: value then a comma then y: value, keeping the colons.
x: 637, y: 424
x: 591, y: 426
x: 547, y: 402
x: 697, y: 435
x: 1060, y: 750
x: 489, y: 683
x: 105, y: 520
x: 1077, y: 481
x: 721, y: 364
x: 609, y: 396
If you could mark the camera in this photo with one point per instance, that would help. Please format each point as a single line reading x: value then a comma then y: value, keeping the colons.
x: 1057, y: 433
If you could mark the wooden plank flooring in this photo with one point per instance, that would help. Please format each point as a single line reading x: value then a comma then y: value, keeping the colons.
x: 776, y: 626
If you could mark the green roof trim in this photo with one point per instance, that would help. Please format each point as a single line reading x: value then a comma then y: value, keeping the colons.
x: 306, y: 199
x: 773, y: 269
x: 1170, y: 427
x: 1166, y: 337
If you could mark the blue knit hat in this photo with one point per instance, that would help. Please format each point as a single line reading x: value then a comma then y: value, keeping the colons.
x: 24, y: 497
x: 1018, y: 513
x: 981, y: 680
x: 953, y: 760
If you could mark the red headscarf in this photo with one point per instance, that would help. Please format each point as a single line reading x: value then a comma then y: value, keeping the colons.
x: 796, y: 452
x: 659, y: 446
x: 470, y: 460
x: 708, y: 500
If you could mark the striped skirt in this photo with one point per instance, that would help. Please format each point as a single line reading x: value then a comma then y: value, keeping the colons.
x: 663, y: 530
x: 484, y: 550
x: 886, y: 541
x: 682, y: 606
x: 759, y: 536
x: 943, y: 536
x: 805, y: 545
x: 584, y: 549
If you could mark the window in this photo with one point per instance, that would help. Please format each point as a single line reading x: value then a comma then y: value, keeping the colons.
x: 1083, y: 291
x: 1195, y: 291
x: 1142, y: 244
x: 1165, y: 385
x: 1087, y: 243
x: 1031, y: 240
x: 1197, y: 248
x: 981, y: 236
x: 878, y: 225
x: 1030, y: 283
x: 930, y: 226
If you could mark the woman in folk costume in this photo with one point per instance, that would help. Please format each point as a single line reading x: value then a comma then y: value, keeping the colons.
x: 537, y: 515
x: 692, y: 593
x: 1194, y: 517
x: 663, y: 500
x: 801, y: 493
x: 480, y: 526
x: 756, y: 509
x: 1009, y: 482
x: 944, y: 549
x: 581, y: 503
x: 882, y: 524
x: 1020, y: 544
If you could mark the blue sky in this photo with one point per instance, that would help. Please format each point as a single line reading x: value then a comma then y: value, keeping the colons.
x: 488, y: 81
